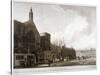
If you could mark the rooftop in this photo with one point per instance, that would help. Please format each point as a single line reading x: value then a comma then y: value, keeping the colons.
x: 44, y: 34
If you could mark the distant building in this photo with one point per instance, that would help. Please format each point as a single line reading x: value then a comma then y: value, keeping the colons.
x: 68, y: 53
x: 86, y: 53
x: 63, y: 53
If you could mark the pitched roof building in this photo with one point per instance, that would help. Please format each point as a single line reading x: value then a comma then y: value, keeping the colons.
x: 27, y: 34
x: 26, y: 42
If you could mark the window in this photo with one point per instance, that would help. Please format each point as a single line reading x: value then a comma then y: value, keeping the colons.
x: 19, y: 57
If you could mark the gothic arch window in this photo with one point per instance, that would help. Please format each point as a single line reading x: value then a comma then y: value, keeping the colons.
x: 31, y: 36
x: 30, y: 40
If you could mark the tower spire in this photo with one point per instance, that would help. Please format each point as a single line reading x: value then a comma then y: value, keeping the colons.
x: 31, y: 14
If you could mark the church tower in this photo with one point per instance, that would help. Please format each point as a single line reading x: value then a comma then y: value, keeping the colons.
x: 31, y: 15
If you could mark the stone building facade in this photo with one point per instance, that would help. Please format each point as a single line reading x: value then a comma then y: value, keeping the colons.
x: 26, y: 41
x: 45, y: 41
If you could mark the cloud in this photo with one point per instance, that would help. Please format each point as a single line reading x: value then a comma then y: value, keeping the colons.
x: 86, y: 42
x: 76, y: 32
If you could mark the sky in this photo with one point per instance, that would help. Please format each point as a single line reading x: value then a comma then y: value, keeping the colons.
x: 73, y: 25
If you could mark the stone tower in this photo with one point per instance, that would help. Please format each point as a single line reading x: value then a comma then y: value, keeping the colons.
x: 31, y: 15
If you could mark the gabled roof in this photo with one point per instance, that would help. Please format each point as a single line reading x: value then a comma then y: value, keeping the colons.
x: 18, y: 27
x: 30, y: 26
x: 21, y: 29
